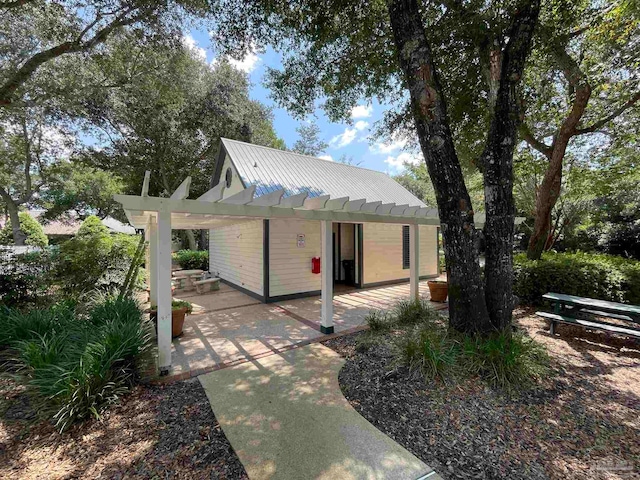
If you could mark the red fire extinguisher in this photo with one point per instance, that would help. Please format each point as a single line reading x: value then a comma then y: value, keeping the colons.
x: 315, y: 265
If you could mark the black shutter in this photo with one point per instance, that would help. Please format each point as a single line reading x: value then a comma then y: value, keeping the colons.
x: 406, y: 260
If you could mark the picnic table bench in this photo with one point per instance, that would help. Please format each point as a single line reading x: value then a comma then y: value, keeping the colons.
x: 569, y: 309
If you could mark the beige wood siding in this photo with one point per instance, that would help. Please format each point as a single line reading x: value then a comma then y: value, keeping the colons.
x: 235, y: 254
x: 382, y: 252
x: 290, y: 265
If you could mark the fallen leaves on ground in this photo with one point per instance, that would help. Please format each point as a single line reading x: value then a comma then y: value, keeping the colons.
x: 157, y: 432
x: 583, y: 422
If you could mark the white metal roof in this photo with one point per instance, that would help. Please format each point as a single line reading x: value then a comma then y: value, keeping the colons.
x: 270, y: 170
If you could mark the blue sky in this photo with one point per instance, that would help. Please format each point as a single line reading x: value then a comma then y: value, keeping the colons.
x: 343, y: 139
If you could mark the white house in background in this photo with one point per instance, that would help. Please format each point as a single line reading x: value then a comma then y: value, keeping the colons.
x: 272, y: 259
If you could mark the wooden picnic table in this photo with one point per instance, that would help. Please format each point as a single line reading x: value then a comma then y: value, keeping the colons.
x: 591, y: 305
x: 569, y: 309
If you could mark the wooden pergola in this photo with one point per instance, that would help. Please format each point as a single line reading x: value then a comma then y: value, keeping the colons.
x: 158, y: 216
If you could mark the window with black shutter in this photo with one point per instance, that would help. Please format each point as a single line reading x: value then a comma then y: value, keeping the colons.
x: 406, y: 260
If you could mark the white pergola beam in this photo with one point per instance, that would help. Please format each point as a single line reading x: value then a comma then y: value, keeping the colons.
x: 354, y: 205
x: 422, y: 212
x: 213, y: 195
x: 182, y: 191
x: 370, y: 207
x: 398, y: 209
x: 145, y: 184
x: 326, y: 272
x: 336, y: 203
x: 411, y: 211
x: 243, y: 197
x: 149, y: 205
x: 414, y: 262
x: 385, y: 208
x: 163, y: 279
x: 294, y: 201
x: 152, y: 237
x: 269, y: 200
x: 316, y: 203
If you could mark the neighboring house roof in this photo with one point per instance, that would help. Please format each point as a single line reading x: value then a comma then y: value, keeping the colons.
x: 70, y: 225
x: 270, y: 169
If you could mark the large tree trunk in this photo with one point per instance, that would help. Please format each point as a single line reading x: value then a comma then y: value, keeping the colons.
x: 467, y: 308
x: 549, y: 190
x: 497, y: 166
x: 472, y: 306
x: 19, y: 237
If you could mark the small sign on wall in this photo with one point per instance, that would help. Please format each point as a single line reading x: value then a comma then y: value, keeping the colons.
x: 301, y: 240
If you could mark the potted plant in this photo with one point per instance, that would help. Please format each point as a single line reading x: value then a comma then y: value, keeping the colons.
x: 179, y: 310
x: 438, y: 289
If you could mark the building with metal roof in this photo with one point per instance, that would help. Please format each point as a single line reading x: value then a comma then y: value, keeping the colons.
x: 270, y: 169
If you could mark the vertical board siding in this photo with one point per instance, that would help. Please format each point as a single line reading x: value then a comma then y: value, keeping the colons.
x: 382, y: 256
x: 290, y: 265
x: 235, y: 254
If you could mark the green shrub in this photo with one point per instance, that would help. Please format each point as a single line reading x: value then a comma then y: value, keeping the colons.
x: 74, y: 366
x: 25, y: 279
x: 30, y: 227
x: 591, y: 275
x: 192, y: 259
x: 94, y: 259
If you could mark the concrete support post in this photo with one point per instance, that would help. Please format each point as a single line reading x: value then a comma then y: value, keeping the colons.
x: 163, y: 279
x: 414, y: 261
x: 326, y: 271
x: 152, y: 263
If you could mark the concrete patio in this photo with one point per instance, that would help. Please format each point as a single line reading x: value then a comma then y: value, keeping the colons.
x: 228, y: 327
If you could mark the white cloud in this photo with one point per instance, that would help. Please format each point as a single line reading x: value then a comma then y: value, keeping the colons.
x: 397, y: 163
x: 361, y: 111
x: 248, y: 64
x: 349, y: 134
x: 192, y: 45
x: 345, y: 138
x: 384, y: 148
x: 326, y: 157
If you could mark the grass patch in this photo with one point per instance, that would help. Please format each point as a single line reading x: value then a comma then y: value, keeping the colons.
x: 76, y: 364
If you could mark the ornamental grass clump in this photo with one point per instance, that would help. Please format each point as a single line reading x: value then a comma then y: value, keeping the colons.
x: 75, y: 365
x: 506, y: 360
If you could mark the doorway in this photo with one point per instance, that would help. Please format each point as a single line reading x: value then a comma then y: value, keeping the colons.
x: 345, y: 257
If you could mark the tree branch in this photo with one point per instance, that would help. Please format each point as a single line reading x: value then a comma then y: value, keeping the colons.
x: 538, y: 145
x: 14, y: 4
x: 29, y: 67
x: 617, y: 112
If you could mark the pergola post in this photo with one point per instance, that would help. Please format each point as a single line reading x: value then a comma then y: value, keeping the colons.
x: 414, y: 261
x: 152, y: 259
x: 326, y: 271
x: 163, y: 279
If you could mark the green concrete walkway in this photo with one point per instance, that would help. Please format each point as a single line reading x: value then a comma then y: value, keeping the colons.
x: 287, y: 419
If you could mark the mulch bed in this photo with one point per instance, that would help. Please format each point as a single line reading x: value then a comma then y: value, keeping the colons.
x: 157, y: 432
x: 583, y: 422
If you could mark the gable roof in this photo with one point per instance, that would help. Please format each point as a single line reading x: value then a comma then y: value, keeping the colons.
x: 270, y: 169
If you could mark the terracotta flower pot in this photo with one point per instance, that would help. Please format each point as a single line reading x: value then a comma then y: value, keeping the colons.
x: 177, y: 320
x: 438, y: 290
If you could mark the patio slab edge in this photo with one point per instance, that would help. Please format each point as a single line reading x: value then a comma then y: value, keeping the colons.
x: 168, y: 379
